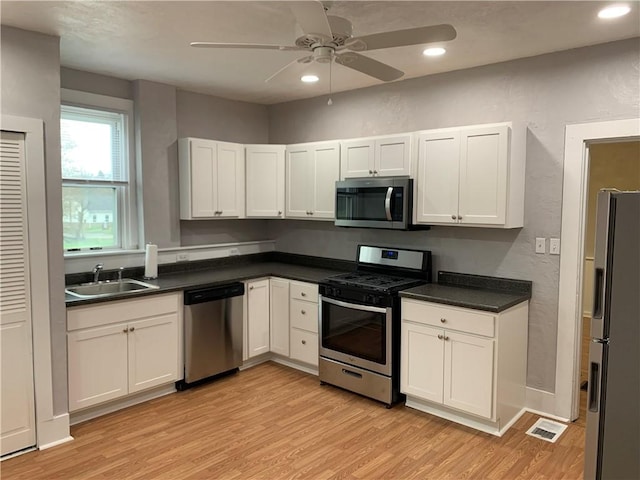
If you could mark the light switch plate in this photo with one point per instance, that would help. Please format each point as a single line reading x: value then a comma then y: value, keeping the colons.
x: 541, y: 245
x: 554, y: 246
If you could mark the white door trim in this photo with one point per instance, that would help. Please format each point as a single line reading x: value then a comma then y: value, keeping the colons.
x: 574, y: 195
x: 50, y: 428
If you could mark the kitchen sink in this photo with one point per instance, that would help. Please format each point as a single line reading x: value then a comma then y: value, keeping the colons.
x: 103, y: 289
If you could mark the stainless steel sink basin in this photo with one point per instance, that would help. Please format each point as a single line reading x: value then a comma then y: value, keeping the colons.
x: 103, y: 289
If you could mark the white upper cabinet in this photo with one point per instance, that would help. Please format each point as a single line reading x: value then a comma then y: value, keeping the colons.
x: 376, y: 157
x: 311, y: 172
x: 265, y: 181
x: 211, y: 179
x: 470, y: 176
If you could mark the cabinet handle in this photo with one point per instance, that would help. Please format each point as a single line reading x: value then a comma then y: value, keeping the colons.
x: 459, y: 217
x: 440, y: 336
x: 279, y: 212
x: 446, y: 338
x: 125, y: 330
x: 303, y: 312
x: 370, y: 172
x: 132, y: 329
x: 251, y: 287
x: 375, y: 172
x: 303, y: 294
x: 443, y: 320
x: 304, y: 342
x: 310, y: 213
x: 453, y: 217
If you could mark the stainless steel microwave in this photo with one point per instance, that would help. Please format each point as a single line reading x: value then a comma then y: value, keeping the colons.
x: 381, y: 202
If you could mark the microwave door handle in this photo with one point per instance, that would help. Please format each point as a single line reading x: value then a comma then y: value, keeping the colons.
x: 387, y: 203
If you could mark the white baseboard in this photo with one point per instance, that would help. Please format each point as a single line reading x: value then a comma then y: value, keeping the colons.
x: 542, y: 403
x: 54, y: 432
x: 287, y: 362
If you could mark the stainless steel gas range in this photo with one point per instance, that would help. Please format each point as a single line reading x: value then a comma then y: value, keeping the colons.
x: 360, y: 320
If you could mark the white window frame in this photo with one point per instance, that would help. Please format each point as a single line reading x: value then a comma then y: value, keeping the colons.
x: 128, y: 225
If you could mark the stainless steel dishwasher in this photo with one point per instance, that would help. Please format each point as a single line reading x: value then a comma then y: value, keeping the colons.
x: 212, y: 332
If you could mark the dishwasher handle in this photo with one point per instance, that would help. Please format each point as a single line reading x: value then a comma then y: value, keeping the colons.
x: 210, y: 294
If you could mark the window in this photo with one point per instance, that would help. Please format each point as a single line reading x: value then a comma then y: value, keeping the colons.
x: 98, y: 182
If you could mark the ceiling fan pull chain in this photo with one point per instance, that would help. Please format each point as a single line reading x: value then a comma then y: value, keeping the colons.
x: 330, y: 102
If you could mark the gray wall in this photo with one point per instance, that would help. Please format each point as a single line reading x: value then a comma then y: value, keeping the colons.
x: 95, y: 83
x: 31, y: 88
x: 545, y: 93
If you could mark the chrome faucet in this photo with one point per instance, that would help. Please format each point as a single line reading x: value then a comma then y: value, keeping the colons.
x: 96, y: 272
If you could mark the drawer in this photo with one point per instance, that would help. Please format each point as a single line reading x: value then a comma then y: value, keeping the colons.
x: 304, y: 346
x: 304, y: 315
x: 304, y: 291
x: 451, y: 318
x: 117, y: 311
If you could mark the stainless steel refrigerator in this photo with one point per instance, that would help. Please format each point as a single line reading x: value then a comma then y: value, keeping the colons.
x: 612, y: 447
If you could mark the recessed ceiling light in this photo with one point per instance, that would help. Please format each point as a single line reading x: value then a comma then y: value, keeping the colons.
x: 434, y: 52
x: 309, y: 78
x: 614, y: 11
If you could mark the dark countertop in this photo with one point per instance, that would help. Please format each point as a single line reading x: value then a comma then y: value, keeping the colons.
x: 220, y: 274
x: 490, y: 294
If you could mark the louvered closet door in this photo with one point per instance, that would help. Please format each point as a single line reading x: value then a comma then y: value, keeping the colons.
x: 18, y: 418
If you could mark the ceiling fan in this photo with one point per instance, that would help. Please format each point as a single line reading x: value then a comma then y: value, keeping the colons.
x: 328, y: 39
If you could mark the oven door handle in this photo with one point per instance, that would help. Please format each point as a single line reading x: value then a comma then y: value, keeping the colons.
x: 387, y: 203
x: 354, y: 306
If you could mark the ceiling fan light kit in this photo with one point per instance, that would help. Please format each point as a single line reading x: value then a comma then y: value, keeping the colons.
x: 326, y: 37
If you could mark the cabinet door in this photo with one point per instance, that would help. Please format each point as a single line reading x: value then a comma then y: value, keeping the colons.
x: 203, y: 154
x: 153, y: 350
x: 258, y: 317
x: 421, y: 363
x: 468, y: 373
x: 265, y: 180
x: 437, y: 183
x: 357, y: 158
x: 326, y: 171
x: 97, y: 365
x: 483, y: 175
x: 229, y: 182
x: 298, y: 171
x: 279, y: 316
x: 393, y: 156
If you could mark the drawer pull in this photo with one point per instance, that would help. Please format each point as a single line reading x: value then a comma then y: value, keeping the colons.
x: 443, y: 320
x: 440, y: 336
x: 351, y: 373
x: 304, y: 342
x: 303, y: 294
x: 446, y: 338
x: 303, y: 312
x: 132, y: 329
x: 125, y: 330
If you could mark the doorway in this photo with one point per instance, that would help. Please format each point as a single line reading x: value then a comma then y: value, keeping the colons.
x: 579, y: 138
x: 611, y: 165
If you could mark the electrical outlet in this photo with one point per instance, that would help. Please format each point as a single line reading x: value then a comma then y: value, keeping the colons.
x: 554, y: 246
x: 182, y: 257
x: 541, y: 245
x: 234, y: 251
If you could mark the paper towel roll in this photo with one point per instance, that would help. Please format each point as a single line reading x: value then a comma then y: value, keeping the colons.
x: 151, y: 261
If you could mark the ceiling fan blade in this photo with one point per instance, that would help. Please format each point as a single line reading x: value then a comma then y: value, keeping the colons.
x: 260, y: 46
x: 402, y: 38
x: 290, y: 66
x: 312, y: 18
x: 369, y: 66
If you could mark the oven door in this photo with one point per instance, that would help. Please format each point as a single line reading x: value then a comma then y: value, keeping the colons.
x: 356, y: 334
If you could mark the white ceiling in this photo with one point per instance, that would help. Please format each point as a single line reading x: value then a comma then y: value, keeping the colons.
x: 150, y: 40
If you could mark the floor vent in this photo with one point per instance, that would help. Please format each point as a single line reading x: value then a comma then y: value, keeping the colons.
x: 546, y: 430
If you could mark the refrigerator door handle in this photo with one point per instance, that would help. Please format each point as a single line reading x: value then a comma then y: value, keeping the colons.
x: 594, y: 386
x: 598, y: 294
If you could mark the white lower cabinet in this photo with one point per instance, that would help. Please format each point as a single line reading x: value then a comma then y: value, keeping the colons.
x: 303, y: 308
x: 257, y: 314
x: 279, y: 315
x: 122, y: 347
x: 465, y: 365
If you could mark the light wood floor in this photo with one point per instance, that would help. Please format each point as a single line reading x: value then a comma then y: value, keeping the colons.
x: 274, y: 422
